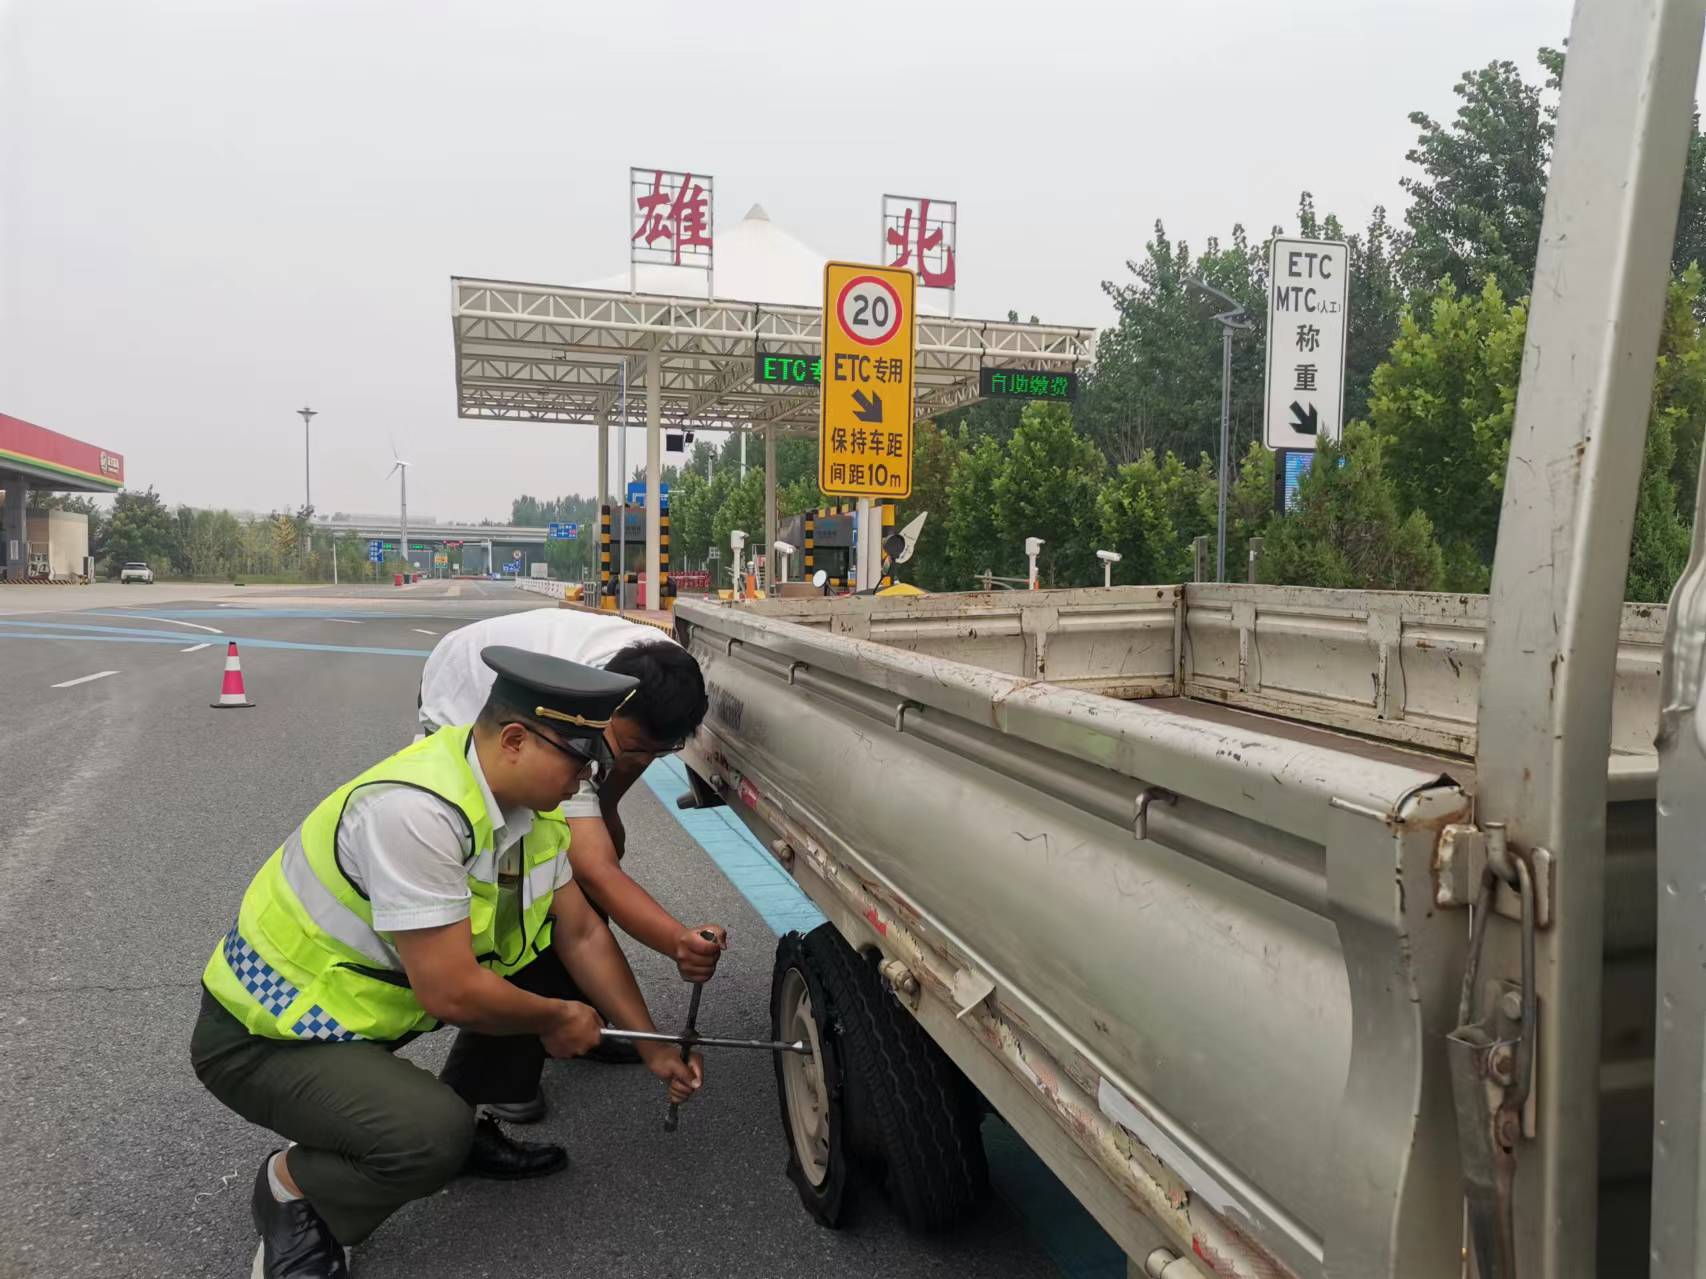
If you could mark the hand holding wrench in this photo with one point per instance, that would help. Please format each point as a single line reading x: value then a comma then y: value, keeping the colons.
x: 673, y: 1118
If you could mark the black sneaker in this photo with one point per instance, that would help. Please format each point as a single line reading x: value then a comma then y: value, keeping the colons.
x: 295, y: 1242
x: 494, y: 1154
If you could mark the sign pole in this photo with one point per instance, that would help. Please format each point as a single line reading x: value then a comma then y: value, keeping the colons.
x: 622, y: 488
x: 1225, y: 435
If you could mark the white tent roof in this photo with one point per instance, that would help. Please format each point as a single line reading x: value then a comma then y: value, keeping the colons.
x: 756, y: 261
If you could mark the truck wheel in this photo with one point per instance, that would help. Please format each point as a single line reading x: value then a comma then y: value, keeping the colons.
x: 809, y: 1088
x: 907, y: 1117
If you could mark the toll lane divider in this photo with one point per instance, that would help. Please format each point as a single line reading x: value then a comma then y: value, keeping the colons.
x: 1056, y: 1221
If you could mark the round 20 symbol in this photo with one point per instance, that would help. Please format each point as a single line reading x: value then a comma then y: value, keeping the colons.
x: 868, y: 309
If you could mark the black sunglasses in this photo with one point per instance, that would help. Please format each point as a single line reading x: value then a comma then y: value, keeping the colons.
x: 587, y: 756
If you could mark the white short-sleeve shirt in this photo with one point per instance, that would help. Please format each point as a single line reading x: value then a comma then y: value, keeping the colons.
x: 407, y: 850
x: 455, y: 682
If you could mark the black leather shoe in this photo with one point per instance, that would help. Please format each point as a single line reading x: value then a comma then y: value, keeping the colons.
x: 520, y: 1112
x: 496, y: 1155
x: 295, y: 1242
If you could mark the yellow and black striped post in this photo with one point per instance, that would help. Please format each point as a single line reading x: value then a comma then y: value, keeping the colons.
x: 666, y: 588
x: 606, y: 589
x: 810, y: 521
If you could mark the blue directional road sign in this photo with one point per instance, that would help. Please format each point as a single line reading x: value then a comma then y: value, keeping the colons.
x: 572, y: 531
x: 637, y: 494
x: 511, y: 567
x: 376, y: 552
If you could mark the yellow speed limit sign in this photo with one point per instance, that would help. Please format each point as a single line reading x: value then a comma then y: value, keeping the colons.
x: 865, y: 432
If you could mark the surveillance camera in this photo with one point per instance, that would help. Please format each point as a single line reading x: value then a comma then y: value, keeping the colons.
x: 1034, y: 545
x: 1108, y: 557
x: 784, y: 548
x: 737, y: 540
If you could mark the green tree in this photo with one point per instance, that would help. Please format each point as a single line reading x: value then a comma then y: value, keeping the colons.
x: 742, y: 508
x: 1475, y: 210
x: 690, y: 515
x: 1046, y: 487
x: 1347, y: 530
x: 935, y: 451
x: 141, y: 529
x: 1249, y: 506
x: 1658, y: 548
x: 1156, y: 381
x: 1136, y: 520
x: 974, y: 538
x: 1679, y: 386
x: 1443, y: 404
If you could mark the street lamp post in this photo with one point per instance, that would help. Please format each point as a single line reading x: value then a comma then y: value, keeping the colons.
x: 307, y: 414
x: 1233, y: 319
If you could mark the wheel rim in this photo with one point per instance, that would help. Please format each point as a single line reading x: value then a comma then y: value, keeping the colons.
x: 802, y: 1080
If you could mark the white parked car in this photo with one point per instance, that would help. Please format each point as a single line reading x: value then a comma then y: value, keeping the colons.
x: 136, y: 571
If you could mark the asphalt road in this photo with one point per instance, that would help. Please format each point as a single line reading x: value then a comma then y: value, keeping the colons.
x: 135, y: 815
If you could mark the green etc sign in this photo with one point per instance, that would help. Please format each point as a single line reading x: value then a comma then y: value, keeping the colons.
x: 770, y: 369
x: 1026, y: 384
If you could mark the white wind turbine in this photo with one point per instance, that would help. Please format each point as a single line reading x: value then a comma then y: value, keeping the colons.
x: 400, y: 469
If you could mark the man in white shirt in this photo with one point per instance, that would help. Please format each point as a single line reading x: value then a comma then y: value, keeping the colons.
x: 665, y: 710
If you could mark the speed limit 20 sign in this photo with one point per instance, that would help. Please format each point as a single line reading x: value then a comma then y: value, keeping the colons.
x: 865, y: 432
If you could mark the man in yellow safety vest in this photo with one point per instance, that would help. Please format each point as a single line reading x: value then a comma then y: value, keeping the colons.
x: 415, y: 895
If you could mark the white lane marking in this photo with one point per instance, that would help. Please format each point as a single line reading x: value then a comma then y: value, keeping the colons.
x: 347, y: 621
x: 418, y: 631
x: 85, y: 679
x: 194, y: 626
x: 195, y: 648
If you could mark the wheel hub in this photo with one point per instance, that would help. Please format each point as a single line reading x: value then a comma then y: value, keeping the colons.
x: 803, y: 1082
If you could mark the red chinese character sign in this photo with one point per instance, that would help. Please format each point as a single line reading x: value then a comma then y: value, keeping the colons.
x: 922, y: 235
x: 669, y: 219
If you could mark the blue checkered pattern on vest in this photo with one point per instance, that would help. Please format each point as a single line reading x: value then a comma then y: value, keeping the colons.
x: 275, y: 992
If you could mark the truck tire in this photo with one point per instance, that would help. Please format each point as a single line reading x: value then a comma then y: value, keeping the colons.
x: 902, y: 1114
x: 810, y: 1088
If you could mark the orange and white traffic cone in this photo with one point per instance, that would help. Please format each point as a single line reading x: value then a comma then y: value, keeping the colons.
x: 231, y: 693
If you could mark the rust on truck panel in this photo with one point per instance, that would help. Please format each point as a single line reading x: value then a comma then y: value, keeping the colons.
x: 1140, y: 1174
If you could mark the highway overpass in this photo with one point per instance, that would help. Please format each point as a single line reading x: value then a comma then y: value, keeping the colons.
x: 504, y: 534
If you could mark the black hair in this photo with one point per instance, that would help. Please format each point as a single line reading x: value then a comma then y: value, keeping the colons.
x: 500, y: 708
x: 670, y: 701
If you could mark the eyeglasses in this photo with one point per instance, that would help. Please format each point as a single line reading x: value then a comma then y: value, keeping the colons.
x: 590, y: 763
x: 650, y: 749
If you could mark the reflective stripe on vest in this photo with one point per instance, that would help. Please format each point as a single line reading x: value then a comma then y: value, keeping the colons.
x: 304, y: 960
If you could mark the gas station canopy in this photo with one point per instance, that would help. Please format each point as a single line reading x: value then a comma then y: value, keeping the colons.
x: 536, y: 352
x: 50, y: 462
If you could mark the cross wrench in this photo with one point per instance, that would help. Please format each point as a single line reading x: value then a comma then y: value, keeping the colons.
x: 688, y: 1036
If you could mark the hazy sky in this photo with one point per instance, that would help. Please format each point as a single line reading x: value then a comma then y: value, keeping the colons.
x: 213, y: 212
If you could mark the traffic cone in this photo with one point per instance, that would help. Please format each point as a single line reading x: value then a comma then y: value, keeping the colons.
x: 231, y: 693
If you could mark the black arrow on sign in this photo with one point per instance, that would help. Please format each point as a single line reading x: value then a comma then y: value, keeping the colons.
x: 870, y: 407
x: 1304, y: 423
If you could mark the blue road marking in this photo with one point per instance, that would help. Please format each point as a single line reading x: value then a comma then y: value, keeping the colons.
x: 756, y: 875
x: 1057, y: 1222
x: 243, y: 612
x: 10, y: 629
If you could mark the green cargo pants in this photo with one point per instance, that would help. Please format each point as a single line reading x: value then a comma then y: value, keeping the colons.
x: 373, y: 1130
